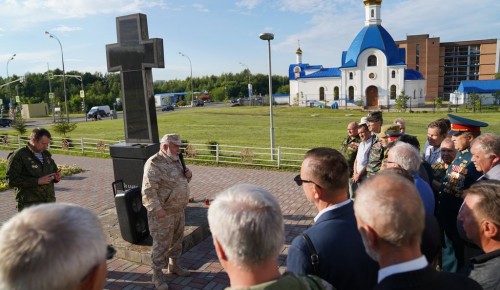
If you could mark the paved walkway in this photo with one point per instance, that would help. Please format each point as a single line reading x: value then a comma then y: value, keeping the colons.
x: 92, y: 189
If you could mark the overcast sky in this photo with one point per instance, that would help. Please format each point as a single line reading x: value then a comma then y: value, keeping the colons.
x: 219, y: 34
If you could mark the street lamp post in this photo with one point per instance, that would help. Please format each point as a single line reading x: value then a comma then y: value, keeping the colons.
x: 64, y: 73
x: 269, y: 37
x: 191, y: 68
x: 249, y: 84
x: 10, y: 95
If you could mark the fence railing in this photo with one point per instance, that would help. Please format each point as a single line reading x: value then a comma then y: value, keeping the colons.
x: 282, y: 157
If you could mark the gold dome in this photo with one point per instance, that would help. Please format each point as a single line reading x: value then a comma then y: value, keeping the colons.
x: 298, y: 51
x: 372, y: 2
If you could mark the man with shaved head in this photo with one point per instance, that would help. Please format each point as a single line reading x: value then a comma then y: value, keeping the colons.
x: 391, y: 219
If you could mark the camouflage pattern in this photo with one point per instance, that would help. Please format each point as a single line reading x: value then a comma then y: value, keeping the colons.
x: 375, y: 157
x: 164, y: 186
x: 23, y: 171
x: 291, y: 281
x: 349, y: 148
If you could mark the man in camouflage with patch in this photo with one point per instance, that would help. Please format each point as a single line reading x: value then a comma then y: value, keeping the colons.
x: 32, y: 172
x: 376, y: 155
x: 165, y: 194
x: 349, y: 146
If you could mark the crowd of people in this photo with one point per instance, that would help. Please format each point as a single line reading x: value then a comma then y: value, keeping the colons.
x: 389, y: 216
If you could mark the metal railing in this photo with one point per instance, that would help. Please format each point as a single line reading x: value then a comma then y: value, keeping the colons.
x: 284, y: 157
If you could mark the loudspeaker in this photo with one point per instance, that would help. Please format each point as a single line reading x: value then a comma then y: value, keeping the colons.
x: 132, y: 215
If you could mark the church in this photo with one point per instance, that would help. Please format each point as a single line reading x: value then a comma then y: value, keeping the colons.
x: 373, y: 72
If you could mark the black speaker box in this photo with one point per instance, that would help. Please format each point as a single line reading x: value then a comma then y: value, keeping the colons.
x: 132, y: 215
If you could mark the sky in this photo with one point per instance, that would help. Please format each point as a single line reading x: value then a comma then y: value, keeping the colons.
x: 222, y: 36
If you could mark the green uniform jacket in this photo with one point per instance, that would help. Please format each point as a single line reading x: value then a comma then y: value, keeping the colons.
x: 23, y: 171
x: 375, y: 158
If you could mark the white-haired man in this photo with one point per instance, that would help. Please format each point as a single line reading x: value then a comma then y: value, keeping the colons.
x: 53, y: 246
x: 165, y: 194
x: 248, y: 235
x: 407, y: 157
x: 391, y: 218
x: 485, y: 150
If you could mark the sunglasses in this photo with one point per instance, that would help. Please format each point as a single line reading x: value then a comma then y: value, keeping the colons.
x: 301, y: 181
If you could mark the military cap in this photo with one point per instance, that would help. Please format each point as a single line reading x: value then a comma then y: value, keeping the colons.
x: 172, y: 138
x: 389, y: 131
x: 374, y: 116
x: 461, y: 124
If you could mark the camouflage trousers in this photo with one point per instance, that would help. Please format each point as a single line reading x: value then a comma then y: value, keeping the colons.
x: 167, y: 234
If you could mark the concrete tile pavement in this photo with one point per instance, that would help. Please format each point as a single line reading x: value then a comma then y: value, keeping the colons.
x: 92, y: 189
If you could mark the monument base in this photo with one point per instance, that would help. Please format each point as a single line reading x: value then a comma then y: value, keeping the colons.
x: 196, y: 230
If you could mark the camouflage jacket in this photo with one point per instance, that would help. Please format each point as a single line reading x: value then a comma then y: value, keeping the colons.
x: 349, y: 148
x: 23, y: 171
x: 375, y: 157
x: 164, y: 184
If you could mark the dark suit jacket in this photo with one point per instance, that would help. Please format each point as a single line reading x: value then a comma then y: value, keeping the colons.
x: 428, y: 279
x: 342, y: 258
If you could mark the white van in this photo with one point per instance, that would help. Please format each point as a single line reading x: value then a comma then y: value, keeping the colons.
x: 98, y: 112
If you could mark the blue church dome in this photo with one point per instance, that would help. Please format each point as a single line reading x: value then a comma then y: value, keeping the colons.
x: 373, y: 36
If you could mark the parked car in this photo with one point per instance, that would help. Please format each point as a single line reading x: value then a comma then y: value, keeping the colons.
x: 4, y: 122
x: 167, y: 108
x: 198, y: 103
x: 97, y: 114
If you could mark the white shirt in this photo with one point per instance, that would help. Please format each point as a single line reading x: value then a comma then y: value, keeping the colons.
x: 332, y: 207
x: 363, y: 154
x: 412, y: 265
x: 432, y: 154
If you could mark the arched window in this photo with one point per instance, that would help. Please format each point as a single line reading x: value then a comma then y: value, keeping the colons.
x: 351, y: 94
x: 373, y: 13
x: 421, y: 95
x: 336, y: 93
x: 321, y: 93
x: 393, y: 92
x: 393, y: 74
x: 372, y: 60
x: 350, y: 75
x: 414, y: 94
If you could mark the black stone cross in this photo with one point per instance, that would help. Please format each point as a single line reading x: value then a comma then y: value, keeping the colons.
x: 134, y: 56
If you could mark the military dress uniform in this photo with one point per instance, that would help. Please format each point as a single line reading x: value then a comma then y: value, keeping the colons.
x: 165, y: 186
x: 23, y: 172
x: 461, y: 174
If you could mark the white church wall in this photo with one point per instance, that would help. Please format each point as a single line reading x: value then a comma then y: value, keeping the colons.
x: 308, y: 89
x: 415, y: 89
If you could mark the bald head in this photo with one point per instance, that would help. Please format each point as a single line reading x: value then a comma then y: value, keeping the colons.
x: 391, y: 206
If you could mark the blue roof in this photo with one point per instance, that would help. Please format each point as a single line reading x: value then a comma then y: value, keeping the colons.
x: 373, y: 36
x: 413, y: 75
x: 320, y: 73
x: 483, y: 86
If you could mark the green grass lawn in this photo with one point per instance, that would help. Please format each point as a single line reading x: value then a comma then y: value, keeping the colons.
x: 249, y: 126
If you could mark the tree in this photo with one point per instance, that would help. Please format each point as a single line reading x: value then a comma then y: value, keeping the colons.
x: 19, y: 124
x: 402, y: 102
x: 62, y: 126
x: 474, y: 101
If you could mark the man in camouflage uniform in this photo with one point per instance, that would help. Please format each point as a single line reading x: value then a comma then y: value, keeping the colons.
x: 32, y: 172
x: 461, y: 174
x: 376, y: 155
x: 165, y: 194
x: 349, y: 146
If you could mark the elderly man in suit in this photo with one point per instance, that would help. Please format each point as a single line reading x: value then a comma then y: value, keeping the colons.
x: 342, y: 260
x: 391, y: 219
